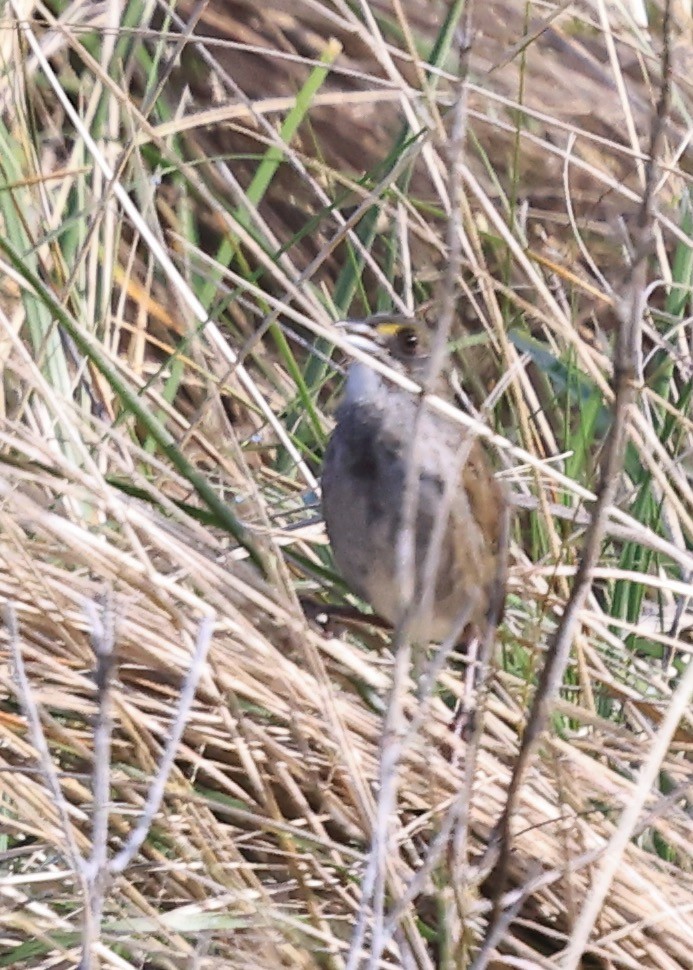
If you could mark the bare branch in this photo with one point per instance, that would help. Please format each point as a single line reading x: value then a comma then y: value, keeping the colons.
x: 103, y: 637
x: 626, y: 378
x: 38, y: 739
x: 156, y: 791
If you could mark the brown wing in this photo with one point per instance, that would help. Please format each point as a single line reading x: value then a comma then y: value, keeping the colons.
x: 489, y: 505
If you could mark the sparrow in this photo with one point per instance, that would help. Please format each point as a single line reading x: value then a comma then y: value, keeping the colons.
x: 417, y: 521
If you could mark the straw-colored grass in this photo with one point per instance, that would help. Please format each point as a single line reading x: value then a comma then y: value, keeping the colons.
x: 184, y: 212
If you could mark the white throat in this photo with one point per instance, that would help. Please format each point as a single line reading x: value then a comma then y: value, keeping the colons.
x: 362, y: 384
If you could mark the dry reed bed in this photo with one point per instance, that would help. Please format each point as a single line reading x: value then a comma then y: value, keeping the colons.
x: 265, y: 814
x: 255, y: 857
x: 270, y: 791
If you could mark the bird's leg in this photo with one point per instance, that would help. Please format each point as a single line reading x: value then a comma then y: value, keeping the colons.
x: 463, y: 722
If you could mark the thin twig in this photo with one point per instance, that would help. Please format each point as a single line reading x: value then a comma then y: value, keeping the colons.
x: 394, y: 737
x: 38, y: 739
x: 103, y: 638
x: 156, y: 791
x: 604, y: 875
x: 626, y: 383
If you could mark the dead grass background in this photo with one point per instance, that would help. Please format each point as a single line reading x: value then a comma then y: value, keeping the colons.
x: 255, y: 856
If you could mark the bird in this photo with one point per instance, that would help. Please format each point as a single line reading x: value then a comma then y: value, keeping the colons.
x: 453, y: 571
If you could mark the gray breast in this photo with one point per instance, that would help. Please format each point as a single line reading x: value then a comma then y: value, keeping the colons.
x: 360, y: 483
x: 363, y: 493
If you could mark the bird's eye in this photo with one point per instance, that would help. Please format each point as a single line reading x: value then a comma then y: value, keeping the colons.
x: 408, y: 341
